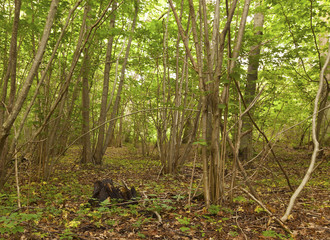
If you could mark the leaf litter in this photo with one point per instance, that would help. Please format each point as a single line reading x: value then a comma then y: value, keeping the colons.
x: 58, y: 208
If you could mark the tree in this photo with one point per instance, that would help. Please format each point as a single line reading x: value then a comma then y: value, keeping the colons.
x: 246, y: 145
x: 87, y: 148
x: 116, y: 103
x: 22, y: 95
x: 323, y: 120
x: 315, y: 140
x: 98, y: 153
x: 213, y: 174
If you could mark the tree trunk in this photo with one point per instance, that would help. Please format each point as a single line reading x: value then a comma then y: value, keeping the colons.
x: 218, y: 157
x: 315, y: 140
x: 104, y: 101
x: 212, y: 174
x: 323, y: 116
x: 115, y: 108
x: 86, y: 139
x: 246, y: 148
x: 165, y: 154
x: 17, y: 105
x: 10, y: 74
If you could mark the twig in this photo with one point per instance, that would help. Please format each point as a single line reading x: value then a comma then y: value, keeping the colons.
x: 322, y: 161
x: 17, y: 184
x: 261, y: 132
x: 158, y: 217
x: 191, y: 180
x: 267, y: 211
x: 200, y: 181
x: 125, y: 185
x: 240, y: 227
x: 160, y: 172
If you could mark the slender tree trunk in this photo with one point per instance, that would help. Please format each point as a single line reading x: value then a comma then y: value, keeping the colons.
x: 175, y: 136
x: 315, y: 141
x: 166, y: 156
x: 104, y: 101
x: 10, y: 75
x: 17, y: 105
x: 13, y: 62
x: 252, y: 76
x: 218, y: 152
x: 86, y: 139
x: 323, y: 116
x: 213, y: 174
x: 115, y: 108
x: 11, y: 68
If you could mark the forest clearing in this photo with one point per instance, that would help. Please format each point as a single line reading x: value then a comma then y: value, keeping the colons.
x: 164, y: 119
x: 58, y: 209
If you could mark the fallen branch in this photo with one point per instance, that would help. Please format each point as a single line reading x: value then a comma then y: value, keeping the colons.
x: 158, y: 217
x: 267, y: 211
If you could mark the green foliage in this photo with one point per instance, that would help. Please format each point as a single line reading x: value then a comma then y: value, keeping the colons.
x: 184, y: 220
x: 273, y: 234
x: 141, y: 235
x: 158, y: 205
x: 201, y: 142
x: 214, y: 209
x: 240, y: 199
x: 13, y: 222
x: 233, y: 234
x: 184, y: 229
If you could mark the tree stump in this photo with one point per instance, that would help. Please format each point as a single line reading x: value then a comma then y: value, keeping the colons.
x: 106, y: 189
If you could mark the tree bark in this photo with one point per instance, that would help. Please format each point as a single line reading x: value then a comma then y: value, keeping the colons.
x: 323, y: 116
x: 246, y: 147
x: 213, y: 174
x: 17, y: 105
x: 86, y: 140
x: 104, y: 101
x: 10, y: 74
x: 115, y: 108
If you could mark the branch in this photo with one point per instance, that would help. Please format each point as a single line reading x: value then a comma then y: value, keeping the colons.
x: 267, y: 211
x: 263, y: 134
x: 315, y: 141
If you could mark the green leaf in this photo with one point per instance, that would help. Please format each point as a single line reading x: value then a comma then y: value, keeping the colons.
x: 184, y: 229
x: 221, y: 106
x: 201, y: 142
x: 269, y: 233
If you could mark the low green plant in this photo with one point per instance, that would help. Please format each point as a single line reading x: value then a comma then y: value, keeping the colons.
x: 214, y: 209
x: 240, y: 199
x: 67, y: 234
x: 179, y: 197
x: 184, y: 220
x: 184, y: 229
x: 141, y: 235
x: 233, y: 234
x: 273, y: 234
x: 158, y: 205
x: 13, y: 223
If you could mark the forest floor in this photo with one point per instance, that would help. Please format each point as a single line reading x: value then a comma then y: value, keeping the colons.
x: 58, y: 209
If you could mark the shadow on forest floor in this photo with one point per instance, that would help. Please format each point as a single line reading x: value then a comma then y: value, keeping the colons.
x: 57, y: 209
